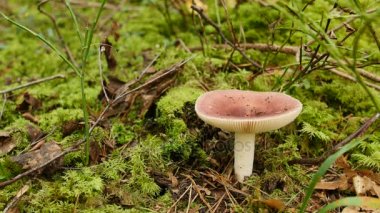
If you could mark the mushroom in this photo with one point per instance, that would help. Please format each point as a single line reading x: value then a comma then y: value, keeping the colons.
x: 246, y: 113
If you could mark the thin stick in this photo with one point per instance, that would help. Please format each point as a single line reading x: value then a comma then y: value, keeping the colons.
x: 349, y: 77
x: 183, y: 194
x: 291, y: 50
x: 32, y: 83
x: 354, y: 135
x: 195, y: 186
x: 16, y: 198
x: 3, y: 106
x: 56, y: 28
x: 369, y: 75
x: 341, y: 26
x: 219, y: 30
x: 100, y: 50
x: 26, y: 173
x: 189, y: 201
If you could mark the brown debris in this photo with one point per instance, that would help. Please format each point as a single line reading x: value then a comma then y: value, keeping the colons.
x: 28, y: 116
x: 34, y: 158
x: 71, y: 126
x: 34, y: 133
x: 110, y: 58
x: 29, y: 103
x: 6, y: 143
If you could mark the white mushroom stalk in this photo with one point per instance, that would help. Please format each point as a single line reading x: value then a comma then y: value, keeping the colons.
x: 246, y: 113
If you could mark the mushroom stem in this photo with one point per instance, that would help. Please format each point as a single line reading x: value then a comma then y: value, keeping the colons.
x: 244, y: 154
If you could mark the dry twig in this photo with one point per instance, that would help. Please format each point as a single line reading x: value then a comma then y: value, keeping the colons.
x: 354, y: 135
x: 199, y: 10
x: 32, y: 83
x: 196, y: 188
x: 16, y: 198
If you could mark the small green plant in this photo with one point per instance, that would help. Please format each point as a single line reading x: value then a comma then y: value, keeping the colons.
x: 79, y: 70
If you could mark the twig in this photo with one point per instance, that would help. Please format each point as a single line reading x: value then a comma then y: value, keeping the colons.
x: 217, y: 204
x: 30, y: 171
x: 16, y: 198
x: 195, y: 186
x: 100, y: 50
x: 32, y: 83
x: 3, y: 106
x: 217, y: 28
x: 56, y: 28
x: 340, y: 26
x: 369, y: 75
x: 189, y: 200
x: 93, y: 4
x: 354, y: 135
x: 183, y: 194
x: 257, y: 46
x: 349, y: 77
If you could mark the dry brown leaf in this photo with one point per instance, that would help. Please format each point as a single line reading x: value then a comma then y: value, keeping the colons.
x: 350, y: 209
x: 28, y: 116
x: 6, y: 143
x: 28, y: 103
x: 275, y: 204
x: 173, y: 179
x: 35, y: 158
x: 342, y: 162
x: 341, y: 184
x: 364, y: 185
x: 34, y: 132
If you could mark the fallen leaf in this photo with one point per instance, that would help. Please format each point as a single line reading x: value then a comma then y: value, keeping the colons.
x: 350, y: 209
x: 28, y: 116
x: 274, y: 203
x: 35, y: 158
x: 341, y: 184
x: 342, y: 163
x: 364, y: 185
x: 34, y: 132
x: 28, y: 103
x: 71, y: 126
x: 6, y: 143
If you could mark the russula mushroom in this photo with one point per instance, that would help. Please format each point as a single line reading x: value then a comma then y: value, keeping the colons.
x: 246, y: 113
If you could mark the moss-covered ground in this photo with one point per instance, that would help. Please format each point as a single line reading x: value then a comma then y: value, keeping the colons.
x: 153, y: 154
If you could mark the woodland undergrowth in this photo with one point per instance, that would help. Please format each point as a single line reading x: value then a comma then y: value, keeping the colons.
x: 149, y: 148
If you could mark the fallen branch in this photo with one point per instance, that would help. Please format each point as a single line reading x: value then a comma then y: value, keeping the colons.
x: 32, y: 83
x: 349, y: 77
x: 291, y: 50
x: 354, y: 135
x: 199, y: 10
x: 16, y: 198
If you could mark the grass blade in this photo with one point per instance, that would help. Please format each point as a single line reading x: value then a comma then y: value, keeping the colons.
x: 41, y: 38
x: 323, y: 169
x: 72, y: 14
x: 368, y: 202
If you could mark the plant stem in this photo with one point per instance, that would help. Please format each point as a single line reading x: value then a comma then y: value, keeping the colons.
x: 244, y: 152
x: 87, y: 43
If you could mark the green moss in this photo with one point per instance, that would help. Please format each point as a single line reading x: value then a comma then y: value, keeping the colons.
x: 56, y: 119
x: 121, y: 133
x: 148, y: 152
x: 174, y: 101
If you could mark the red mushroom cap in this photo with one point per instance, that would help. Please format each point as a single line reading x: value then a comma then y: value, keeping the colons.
x: 247, y: 111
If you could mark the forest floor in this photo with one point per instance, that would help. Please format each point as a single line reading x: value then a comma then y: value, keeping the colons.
x: 105, y: 121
